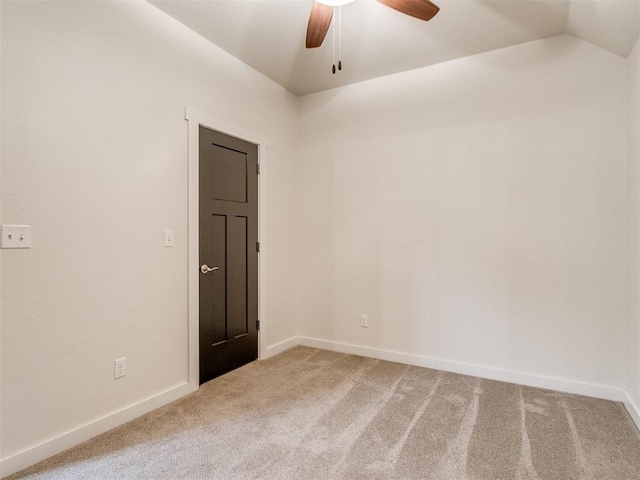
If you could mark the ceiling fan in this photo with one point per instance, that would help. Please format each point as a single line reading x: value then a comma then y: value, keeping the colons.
x: 322, y: 14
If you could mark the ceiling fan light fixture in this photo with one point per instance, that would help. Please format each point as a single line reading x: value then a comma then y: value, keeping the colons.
x: 335, y: 3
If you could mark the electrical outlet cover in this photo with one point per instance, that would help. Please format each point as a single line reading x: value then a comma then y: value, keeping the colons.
x: 120, y: 367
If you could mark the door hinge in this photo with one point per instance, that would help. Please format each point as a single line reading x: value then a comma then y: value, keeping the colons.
x: 258, y: 247
x: 258, y: 168
x: 258, y: 324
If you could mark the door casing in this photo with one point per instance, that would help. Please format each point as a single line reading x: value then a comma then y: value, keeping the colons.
x: 195, y: 119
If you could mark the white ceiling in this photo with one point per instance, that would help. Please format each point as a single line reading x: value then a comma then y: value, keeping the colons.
x: 269, y: 35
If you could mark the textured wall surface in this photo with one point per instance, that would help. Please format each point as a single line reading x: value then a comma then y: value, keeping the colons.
x: 475, y: 210
x: 96, y: 161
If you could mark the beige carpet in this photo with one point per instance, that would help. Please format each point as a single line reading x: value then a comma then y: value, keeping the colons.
x: 312, y: 414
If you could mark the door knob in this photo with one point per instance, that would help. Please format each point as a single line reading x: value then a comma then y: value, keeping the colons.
x: 206, y: 269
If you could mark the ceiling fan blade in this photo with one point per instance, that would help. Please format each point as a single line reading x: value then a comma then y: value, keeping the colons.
x: 319, y: 22
x: 422, y: 9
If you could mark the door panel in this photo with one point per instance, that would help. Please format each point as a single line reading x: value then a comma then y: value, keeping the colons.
x: 215, y: 308
x: 237, y: 279
x: 228, y: 236
x: 229, y: 177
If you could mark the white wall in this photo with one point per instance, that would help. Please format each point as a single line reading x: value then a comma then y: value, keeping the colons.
x: 95, y: 159
x: 633, y: 152
x: 475, y: 210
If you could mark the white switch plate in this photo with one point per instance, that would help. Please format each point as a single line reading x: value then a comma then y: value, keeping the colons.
x: 168, y: 238
x: 16, y: 236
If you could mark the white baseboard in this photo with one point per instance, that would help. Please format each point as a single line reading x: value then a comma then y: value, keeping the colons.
x: 520, y: 378
x: 280, y: 347
x: 58, y: 444
x: 67, y: 440
x: 632, y: 408
x: 51, y: 447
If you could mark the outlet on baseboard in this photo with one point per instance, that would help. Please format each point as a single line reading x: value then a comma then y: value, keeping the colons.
x: 120, y: 367
x: 364, y: 321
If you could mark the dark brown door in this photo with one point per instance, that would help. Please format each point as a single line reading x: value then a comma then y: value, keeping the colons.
x: 228, y: 253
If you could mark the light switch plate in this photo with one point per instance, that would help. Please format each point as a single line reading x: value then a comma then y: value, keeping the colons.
x: 16, y: 236
x: 168, y: 238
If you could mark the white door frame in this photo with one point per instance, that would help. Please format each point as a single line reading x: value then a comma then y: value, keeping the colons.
x: 195, y: 120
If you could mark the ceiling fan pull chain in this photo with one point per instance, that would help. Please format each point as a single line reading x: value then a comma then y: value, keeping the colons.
x: 339, y: 38
x: 334, y: 41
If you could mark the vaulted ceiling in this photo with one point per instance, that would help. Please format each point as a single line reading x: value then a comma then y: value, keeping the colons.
x: 269, y: 35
